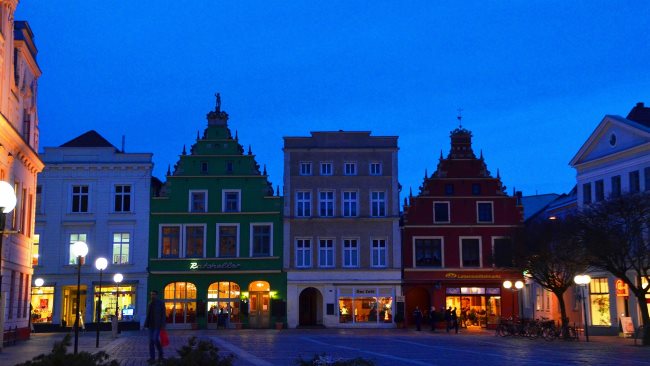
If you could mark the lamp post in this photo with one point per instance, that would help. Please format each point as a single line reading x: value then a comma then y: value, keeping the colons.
x: 79, y: 250
x: 118, y: 279
x: 583, y: 281
x: 100, y: 263
x: 518, y: 286
x: 7, y: 204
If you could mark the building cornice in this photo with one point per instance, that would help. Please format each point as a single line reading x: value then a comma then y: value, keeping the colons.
x: 12, y: 142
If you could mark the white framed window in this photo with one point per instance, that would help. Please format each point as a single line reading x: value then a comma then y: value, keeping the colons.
x: 227, y: 240
x: 231, y: 200
x: 325, y: 252
x: 377, y: 203
x: 326, y: 168
x: 72, y: 238
x: 303, y: 252
x: 350, y: 252
x: 303, y: 204
x: 121, y: 247
x: 441, y: 212
x: 350, y: 203
x: 326, y: 203
x: 470, y: 252
x: 261, y: 239
x: 502, y: 251
x: 375, y: 168
x: 484, y: 212
x: 80, y: 197
x: 169, y: 241
x: 379, y: 251
x: 122, y: 198
x: 194, y: 241
x: 198, y: 201
x: 350, y: 168
x: 305, y: 168
x: 428, y: 251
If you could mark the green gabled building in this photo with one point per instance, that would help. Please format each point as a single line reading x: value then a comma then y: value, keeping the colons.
x: 215, y: 248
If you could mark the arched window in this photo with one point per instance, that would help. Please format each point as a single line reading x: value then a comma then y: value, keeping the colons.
x: 223, y: 298
x: 180, y: 302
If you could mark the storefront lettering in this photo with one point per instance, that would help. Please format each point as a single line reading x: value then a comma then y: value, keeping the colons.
x: 453, y: 275
x: 209, y: 266
x: 366, y: 291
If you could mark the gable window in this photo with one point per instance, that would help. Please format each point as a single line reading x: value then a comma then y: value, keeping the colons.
x: 616, y: 186
x: 194, y: 241
x: 227, y: 240
x: 350, y: 253
x: 121, y: 243
x: 503, y: 251
x: 262, y: 244
x: 484, y: 212
x: 326, y: 168
x: 586, y: 193
x: 326, y: 253
x: 305, y: 168
x: 428, y: 252
x: 73, y: 238
x: 378, y: 204
x: 303, y: 204
x: 303, y: 253
x: 379, y: 252
x: 441, y: 212
x: 326, y: 203
x: 350, y: 203
x: 231, y: 200
x: 198, y: 201
x: 449, y: 189
x: 230, y: 167
x: 476, y: 189
x: 350, y: 168
x: 375, y: 168
x: 79, y: 199
x: 170, y: 238
x: 635, y: 184
x: 471, y: 252
x: 122, y: 198
x: 204, y: 167
x: 600, y: 190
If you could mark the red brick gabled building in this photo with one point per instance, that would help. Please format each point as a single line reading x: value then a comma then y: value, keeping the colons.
x: 457, y: 239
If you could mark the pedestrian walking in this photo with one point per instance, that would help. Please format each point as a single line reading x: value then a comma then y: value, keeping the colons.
x: 433, y: 318
x: 155, y: 321
x: 417, y: 314
x: 448, y: 318
x: 454, y: 319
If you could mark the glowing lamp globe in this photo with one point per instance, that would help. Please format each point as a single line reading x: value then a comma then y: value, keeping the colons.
x: 7, y: 197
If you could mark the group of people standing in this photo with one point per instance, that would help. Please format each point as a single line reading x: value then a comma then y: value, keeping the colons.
x: 450, y: 317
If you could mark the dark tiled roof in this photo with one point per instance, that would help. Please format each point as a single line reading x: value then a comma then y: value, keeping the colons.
x: 640, y: 114
x: 89, y: 139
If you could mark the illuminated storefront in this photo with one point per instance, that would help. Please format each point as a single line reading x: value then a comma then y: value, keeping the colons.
x: 599, y: 302
x: 224, y: 300
x: 180, y: 302
x: 476, y: 306
x: 42, y: 304
x: 126, y: 302
x: 366, y: 304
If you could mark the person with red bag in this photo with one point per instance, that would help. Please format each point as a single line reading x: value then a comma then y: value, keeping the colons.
x: 155, y: 322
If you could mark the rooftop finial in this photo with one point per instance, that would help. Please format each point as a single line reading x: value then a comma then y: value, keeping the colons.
x: 264, y: 173
x: 217, y: 108
x: 250, y: 152
x: 169, y: 172
x: 184, y: 153
x: 410, y: 191
x: 460, y: 117
x: 277, y: 190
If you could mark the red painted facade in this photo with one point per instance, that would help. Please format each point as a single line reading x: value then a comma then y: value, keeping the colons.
x: 457, y: 240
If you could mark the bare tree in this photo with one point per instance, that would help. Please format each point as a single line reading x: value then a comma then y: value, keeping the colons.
x: 614, y: 234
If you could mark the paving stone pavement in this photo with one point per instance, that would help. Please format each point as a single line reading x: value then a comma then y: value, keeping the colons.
x: 384, y: 346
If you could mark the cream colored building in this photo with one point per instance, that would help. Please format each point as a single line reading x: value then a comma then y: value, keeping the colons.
x: 19, y: 163
x: 342, y: 249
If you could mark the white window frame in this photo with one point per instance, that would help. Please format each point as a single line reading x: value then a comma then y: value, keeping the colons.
x: 131, y: 196
x: 223, y: 199
x: 480, y: 250
x: 71, y: 197
x: 378, y: 202
x: 332, y: 249
x: 128, y: 259
x: 250, y: 247
x: 331, y: 168
x: 303, y: 253
x: 218, y: 254
x: 184, y: 236
x: 352, y: 165
x: 350, y: 201
x: 70, y: 242
x: 343, y: 252
x: 494, y: 239
x: 190, y: 205
x: 379, y: 171
x: 305, y: 168
x: 433, y: 206
x: 478, y: 221
x: 181, y: 244
x: 303, y: 212
x: 442, y: 250
x: 333, y: 201
x: 379, y: 251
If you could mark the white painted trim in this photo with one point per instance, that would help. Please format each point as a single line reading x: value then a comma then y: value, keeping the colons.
x: 190, y: 201
x: 442, y: 251
x: 311, y: 251
x: 480, y: 250
x: 250, y: 248
x: 205, y: 233
x: 333, y: 239
x: 385, y: 239
x: 358, y: 205
x: 385, y: 192
x: 333, y: 202
x: 237, y: 239
x: 311, y: 202
x: 491, y: 213
x: 223, y: 200
x: 180, y: 239
x: 433, y: 206
x: 358, y: 240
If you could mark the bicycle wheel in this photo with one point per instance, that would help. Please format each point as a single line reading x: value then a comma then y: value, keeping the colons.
x: 549, y: 334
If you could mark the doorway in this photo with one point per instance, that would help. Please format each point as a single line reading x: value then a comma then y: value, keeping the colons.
x: 70, y: 305
x: 309, y: 302
x: 259, y: 306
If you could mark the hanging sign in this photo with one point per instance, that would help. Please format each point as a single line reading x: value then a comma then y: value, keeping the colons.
x: 621, y: 289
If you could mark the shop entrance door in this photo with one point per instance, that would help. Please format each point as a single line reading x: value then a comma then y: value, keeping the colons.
x: 259, y: 312
x: 308, y: 305
x: 70, y: 305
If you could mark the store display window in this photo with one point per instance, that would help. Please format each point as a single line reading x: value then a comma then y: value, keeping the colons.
x: 110, y: 300
x: 42, y: 304
x: 365, y: 305
x: 180, y: 302
x: 223, y: 303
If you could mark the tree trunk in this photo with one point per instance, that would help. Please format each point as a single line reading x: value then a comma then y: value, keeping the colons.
x: 640, y: 296
x: 564, y: 320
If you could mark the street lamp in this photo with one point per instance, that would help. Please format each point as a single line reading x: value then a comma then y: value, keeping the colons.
x: 100, y: 263
x: 79, y: 250
x: 518, y: 286
x: 583, y: 281
x: 7, y: 204
x: 117, y: 278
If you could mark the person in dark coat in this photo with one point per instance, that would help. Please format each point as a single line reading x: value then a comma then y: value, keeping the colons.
x: 448, y: 318
x: 417, y: 314
x: 155, y: 321
x: 454, y: 319
x: 433, y: 318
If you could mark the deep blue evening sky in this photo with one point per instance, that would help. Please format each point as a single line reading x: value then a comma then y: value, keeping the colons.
x: 534, y: 78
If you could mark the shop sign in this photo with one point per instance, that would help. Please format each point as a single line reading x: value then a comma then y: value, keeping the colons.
x: 365, y: 291
x: 621, y: 289
x: 213, y: 266
x: 471, y: 276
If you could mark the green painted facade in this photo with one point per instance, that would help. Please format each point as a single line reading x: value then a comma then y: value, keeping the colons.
x: 215, y: 190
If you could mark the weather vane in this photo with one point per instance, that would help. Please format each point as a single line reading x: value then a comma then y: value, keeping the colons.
x: 460, y: 117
